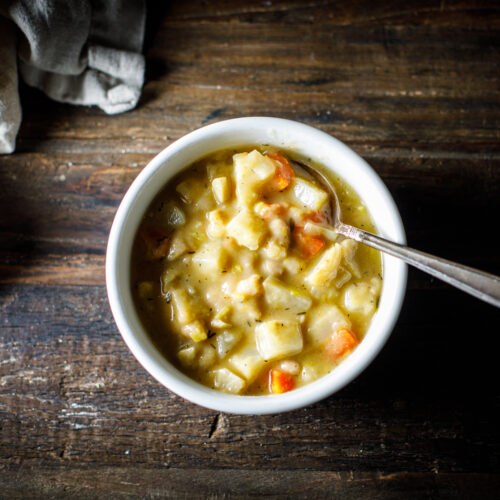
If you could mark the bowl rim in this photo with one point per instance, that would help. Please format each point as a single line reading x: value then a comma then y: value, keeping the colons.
x: 141, y: 345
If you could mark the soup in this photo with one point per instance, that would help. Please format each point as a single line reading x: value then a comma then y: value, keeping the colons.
x: 241, y: 282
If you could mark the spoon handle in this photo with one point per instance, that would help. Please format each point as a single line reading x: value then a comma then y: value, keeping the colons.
x: 482, y: 285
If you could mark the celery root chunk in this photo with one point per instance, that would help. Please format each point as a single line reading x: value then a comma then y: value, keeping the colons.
x: 277, y: 339
x: 281, y: 296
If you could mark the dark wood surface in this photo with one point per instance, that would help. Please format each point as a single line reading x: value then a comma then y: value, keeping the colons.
x: 414, y: 87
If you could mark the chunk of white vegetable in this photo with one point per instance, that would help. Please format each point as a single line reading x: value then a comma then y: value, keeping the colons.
x: 226, y: 341
x: 284, y: 297
x: 211, y: 257
x: 207, y: 358
x: 323, y: 320
x: 250, y: 287
x: 251, y: 170
x: 178, y: 247
x: 309, y: 194
x: 187, y: 355
x: 216, y: 227
x: 247, y: 362
x: 221, y: 189
x: 277, y: 339
x: 247, y: 229
x: 227, y: 381
x: 182, y: 306
x: 326, y: 268
x: 195, y: 330
x: 362, y: 297
x: 191, y: 190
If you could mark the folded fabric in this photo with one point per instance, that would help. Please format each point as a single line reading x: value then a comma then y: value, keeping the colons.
x: 84, y: 52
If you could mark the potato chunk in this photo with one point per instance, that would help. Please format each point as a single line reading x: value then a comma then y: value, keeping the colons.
x: 323, y: 320
x: 251, y: 170
x: 247, y: 362
x: 195, y: 330
x: 211, y: 257
x: 247, y: 229
x: 362, y: 297
x: 183, y: 308
x: 216, y: 227
x: 309, y: 194
x: 250, y: 286
x: 227, y: 381
x: 226, y: 341
x: 326, y: 268
x: 284, y: 297
x: 277, y: 339
x: 187, y: 355
x: 221, y: 189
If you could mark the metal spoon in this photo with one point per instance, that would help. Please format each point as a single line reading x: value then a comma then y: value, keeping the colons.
x: 482, y: 285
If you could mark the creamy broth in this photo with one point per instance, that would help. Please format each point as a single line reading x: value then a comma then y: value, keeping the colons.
x: 240, y: 282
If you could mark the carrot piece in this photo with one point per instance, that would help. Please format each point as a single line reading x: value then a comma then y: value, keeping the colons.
x: 156, y: 241
x: 284, y: 172
x: 280, y: 381
x: 309, y: 245
x: 341, y: 341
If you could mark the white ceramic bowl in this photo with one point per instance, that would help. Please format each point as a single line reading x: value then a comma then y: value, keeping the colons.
x: 285, y: 134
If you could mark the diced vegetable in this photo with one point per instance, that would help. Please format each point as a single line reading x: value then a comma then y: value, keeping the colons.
x: 226, y: 341
x: 221, y: 189
x: 293, y: 265
x: 250, y: 286
x: 183, y: 309
x: 308, y: 245
x: 247, y: 362
x: 309, y: 194
x: 284, y: 297
x: 326, y: 268
x: 247, y: 229
x: 191, y: 190
x: 174, y: 216
x: 324, y: 319
x: 227, y: 381
x: 361, y: 298
x: 280, y: 381
x: 195, y: 330
x: 211, y: 257
x: 277, y: 339
x: 274, y: 250
x: 284, y: 172
x: 187, y: 355
x: 252, y: 170
x: 178, y: 247
x: 207, y: 358
x: 221, y: 319
x: 280, y: 231
x: 341, y: 341
x: 216, y: 227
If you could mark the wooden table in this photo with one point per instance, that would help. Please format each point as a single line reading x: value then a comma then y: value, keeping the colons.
x: 414, y: 87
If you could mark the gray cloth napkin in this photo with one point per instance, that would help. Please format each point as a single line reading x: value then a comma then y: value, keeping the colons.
x: 78, y: 51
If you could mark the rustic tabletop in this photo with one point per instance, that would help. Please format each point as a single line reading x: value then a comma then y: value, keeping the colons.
x: 413, y: 87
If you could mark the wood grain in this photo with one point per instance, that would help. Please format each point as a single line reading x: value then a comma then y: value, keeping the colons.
x: 414, y: 87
